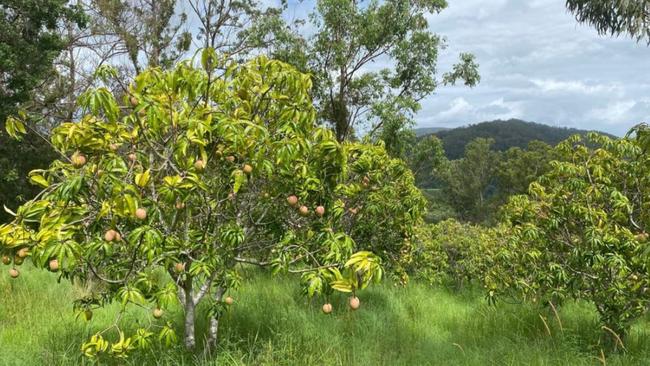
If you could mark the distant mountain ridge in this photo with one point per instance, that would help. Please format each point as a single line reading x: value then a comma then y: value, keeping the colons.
x: 424, y: 131
x: 506, y: 134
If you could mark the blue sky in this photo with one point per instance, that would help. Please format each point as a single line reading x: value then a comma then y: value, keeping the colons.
x: 538, y: 64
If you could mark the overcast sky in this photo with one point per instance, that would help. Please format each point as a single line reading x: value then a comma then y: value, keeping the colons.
x: 538, y: 64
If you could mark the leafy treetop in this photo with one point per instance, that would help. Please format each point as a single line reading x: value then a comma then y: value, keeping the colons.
x: 210, y: 167
x: 346, y: 38
x: 581, y: 232
x: 614, y: 17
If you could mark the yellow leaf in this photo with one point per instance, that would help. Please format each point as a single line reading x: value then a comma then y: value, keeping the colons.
x: 39, y: 180
x: 341, y: 286
x: 141, y: 179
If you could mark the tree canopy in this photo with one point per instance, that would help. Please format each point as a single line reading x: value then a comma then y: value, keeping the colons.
x: 630, y: 17
x: 340, y: 43
x: 29, y: 43
x: 581, y: 232
x: 210, y: 167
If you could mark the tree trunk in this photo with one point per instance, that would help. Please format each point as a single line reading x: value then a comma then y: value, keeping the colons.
x: 214, y: 332
x: 214, y: 321
x: 190, y: 338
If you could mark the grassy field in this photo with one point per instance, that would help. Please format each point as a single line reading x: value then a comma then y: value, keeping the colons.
x: 271, y: 324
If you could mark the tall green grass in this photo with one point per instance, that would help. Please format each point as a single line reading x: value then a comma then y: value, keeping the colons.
x: 272, y: 324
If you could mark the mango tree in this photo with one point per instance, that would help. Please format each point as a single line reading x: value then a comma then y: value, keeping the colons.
x: 581, y: 232
x: 158, y: 198
x: 456, y: 253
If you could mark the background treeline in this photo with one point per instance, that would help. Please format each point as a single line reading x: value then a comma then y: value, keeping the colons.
x: 506, y: 134
x: 556, y: 224
x: 499, y: 159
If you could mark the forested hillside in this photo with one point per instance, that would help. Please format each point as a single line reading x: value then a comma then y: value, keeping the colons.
x: 506, y: 134
x: 424, y: 131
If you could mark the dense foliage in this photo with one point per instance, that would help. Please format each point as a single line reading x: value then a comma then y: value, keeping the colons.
x: 517, y: 168
x: 469, y: 181
x: 455, y: 253
x: 581, y: 233
x: 29, y: 43
x: 17, y: 159
x: 473, y: 187
x: 630, y: 17
x: 426, y: 158
x: 507, y: 157
x: 169, y: 178
x: 208, y: 168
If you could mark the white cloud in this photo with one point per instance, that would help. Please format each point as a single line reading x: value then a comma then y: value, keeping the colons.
x: 574, y: 86
x: 500, y: 109
x: 457, y: 107
x: 614, y: 112
x: 538, y: 64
